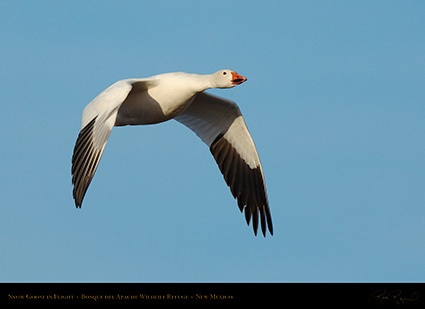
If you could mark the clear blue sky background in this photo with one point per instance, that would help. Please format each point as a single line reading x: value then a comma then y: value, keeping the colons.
x: 335, y: 103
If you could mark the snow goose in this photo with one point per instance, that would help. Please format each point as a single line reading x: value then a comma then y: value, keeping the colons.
x: 180, y: 96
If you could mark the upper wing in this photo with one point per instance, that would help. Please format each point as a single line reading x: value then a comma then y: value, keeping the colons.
x: 98, y: 119
x: 219, y: 123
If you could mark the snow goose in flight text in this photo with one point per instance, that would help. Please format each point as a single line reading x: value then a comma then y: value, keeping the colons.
x: 180, y: 96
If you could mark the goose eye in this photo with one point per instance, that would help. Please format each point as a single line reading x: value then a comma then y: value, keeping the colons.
x: 224, y: 73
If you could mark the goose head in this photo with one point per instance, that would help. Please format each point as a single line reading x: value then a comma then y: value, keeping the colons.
x: 227, y: 79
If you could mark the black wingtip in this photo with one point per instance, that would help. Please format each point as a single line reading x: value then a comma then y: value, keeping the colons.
x: 246, y: 184
x: 77, y: 204
x: 264, y: 218
x: 84, y: 163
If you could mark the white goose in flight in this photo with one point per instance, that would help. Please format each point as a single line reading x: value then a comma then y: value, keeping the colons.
x: 180, y: 96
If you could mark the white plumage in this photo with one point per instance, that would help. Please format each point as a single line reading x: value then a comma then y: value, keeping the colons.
x: 180, y: 96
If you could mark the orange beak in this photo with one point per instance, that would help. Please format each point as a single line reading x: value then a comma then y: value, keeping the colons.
x: 237, y: 79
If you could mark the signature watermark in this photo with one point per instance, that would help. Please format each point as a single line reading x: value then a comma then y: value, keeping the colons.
x: 387, y: 297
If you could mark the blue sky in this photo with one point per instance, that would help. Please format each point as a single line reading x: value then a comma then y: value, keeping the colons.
x: 334, y: 101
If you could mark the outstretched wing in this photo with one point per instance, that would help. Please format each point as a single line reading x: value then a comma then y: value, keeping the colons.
x: 220, y: 125
x: 98, y: 119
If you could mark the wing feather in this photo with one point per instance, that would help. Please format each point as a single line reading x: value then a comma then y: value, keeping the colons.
x: 84, y: 162
x: 98, y: 119
x: 219, y: 124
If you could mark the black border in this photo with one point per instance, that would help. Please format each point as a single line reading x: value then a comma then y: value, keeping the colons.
x: 278, y: 294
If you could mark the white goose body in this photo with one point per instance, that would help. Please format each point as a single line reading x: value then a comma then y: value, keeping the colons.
x: 180, y: 96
